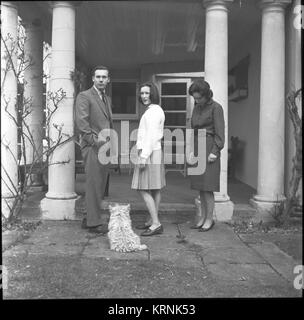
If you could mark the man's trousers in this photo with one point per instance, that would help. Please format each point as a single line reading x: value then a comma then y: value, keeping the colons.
x: 96, y: 180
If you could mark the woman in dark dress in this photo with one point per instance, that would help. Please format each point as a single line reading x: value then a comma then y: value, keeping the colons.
x: 207, y: 114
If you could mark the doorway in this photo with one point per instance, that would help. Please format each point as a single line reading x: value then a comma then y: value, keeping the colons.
x: 177, y: 106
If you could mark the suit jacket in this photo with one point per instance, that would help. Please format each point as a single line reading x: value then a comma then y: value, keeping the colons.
x: 92, y: 116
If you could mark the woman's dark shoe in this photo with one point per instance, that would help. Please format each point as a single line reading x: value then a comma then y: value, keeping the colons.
x: 202, y: 229
x: 149, y: 232
x: 143, y: 226
x: 198, y: 226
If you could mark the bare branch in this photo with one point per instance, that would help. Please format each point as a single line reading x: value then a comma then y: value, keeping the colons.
x: 11, y: 181
x: 9, y: 55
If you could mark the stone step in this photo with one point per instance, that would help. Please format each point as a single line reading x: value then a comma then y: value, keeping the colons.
x: 31, y: 210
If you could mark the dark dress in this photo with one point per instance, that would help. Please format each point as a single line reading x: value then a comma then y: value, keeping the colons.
x: 210, y: 117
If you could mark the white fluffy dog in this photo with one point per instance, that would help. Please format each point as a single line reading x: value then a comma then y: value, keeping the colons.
x: 121, y: 236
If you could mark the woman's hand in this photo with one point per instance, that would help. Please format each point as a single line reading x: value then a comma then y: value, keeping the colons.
x: 191, y: 158
x: 141, y: 162
x: 212, y: 157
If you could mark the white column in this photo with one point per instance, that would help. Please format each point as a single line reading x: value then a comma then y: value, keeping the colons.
x: 33, y: 92
x: 216, y: 74
x: 9, y: 170
x: 60, y: 198
x: 270, y: 187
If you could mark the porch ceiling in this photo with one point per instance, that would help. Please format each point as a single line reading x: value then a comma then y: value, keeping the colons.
x: 127, y: 34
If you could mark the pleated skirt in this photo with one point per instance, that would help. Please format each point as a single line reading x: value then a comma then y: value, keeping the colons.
x: 152, y: 177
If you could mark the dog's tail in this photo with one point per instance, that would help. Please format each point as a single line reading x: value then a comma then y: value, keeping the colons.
x: 142, y: 247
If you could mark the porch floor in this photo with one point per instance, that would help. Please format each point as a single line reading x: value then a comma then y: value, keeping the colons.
x: 177, y: 190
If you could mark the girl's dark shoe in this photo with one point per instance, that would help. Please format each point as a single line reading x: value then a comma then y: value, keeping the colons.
x: 143, y: 226
x: 149, y: 232
x: 202, y: 229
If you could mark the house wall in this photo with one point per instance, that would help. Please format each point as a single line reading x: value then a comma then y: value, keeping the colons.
x: 243, y: 116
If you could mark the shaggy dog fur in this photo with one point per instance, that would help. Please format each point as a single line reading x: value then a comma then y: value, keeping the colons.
x: 121, y: 236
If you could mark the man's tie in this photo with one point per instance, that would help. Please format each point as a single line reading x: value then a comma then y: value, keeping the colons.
x: 103, y: 96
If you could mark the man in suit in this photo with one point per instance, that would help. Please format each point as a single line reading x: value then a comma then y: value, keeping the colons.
x: 93, y: 114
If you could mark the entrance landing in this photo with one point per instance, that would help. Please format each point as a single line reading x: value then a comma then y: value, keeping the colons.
x: 176, y: 195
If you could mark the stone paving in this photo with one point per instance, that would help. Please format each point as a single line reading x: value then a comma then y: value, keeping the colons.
x: 60, y: 260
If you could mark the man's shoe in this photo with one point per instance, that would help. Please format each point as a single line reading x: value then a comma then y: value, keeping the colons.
x: 101, y: 229
x: 149, y: 232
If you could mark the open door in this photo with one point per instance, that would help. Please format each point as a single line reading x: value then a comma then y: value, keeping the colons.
x: 177, y: 106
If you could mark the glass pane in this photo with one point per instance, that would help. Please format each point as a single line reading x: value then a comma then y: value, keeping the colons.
x: 175, y: 119
x: 124, y: 97
x: 174, y: 103
x: 174, y: 146
x: 179, y: 88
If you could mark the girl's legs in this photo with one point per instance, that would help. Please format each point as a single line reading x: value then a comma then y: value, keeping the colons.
x: 150, y: 203
x: 157, y: 197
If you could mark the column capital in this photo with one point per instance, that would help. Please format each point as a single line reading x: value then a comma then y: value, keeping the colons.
x: 274, y: 4
x: 56, y: 4
x: 11, y: 4
x: 209, y: 3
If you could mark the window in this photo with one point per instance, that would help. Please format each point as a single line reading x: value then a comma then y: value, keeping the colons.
x: 124, y: 99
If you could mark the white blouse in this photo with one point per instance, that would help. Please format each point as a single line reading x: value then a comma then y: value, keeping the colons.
x: 150, y: 130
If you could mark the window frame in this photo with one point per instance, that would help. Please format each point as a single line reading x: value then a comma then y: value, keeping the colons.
x: 125, y: 116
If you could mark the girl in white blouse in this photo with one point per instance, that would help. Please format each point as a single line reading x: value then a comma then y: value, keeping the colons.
x: 149, y: 172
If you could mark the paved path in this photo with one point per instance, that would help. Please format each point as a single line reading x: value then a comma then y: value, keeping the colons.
x: 59, y: 260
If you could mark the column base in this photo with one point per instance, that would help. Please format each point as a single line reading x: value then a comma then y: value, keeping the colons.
x: 221, y: 197
x: 223, y: 210
x: 58, y: 209
x: 33, y: 189
x: 297, y: 212
x: 5, y: 204
x: 61, y: 196
x: 265, y: 209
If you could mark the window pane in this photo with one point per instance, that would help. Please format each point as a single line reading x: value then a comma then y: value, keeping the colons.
x: 175, y: 119
x: 174, y: 103
x: 124, y: 97
x: 174, y: 88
